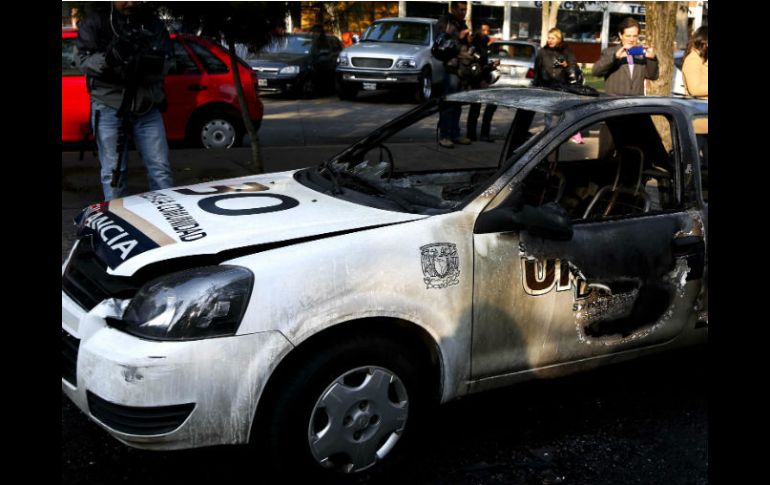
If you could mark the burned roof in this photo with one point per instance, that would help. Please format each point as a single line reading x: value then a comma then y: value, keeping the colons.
x: 551, y: 101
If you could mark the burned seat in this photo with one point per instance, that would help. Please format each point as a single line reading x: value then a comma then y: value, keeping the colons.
x: 626, y: 195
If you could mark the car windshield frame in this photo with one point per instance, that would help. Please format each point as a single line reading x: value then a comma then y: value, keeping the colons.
x: 518, y: 141
x: 383, y: 28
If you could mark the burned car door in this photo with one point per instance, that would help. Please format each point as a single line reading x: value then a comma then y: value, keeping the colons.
x: 591, y: 250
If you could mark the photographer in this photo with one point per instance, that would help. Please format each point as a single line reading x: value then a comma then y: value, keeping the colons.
x: 624, y: 69
x: 452, y: 25
x: 124, y: 52
x: 555, y: 63
x: 481, y: 79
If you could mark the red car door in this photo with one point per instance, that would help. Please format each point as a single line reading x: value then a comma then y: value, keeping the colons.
x: 183, y: 86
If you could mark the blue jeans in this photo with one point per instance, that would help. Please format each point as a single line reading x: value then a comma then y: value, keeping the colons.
x: 449, y: 118
x: 150, y: 140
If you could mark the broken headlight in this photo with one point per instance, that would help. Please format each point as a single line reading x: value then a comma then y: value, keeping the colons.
x: 192, y: 304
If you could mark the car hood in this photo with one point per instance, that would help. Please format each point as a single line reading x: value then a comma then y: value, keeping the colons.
x: 244, y: 213
x: 384, y: 49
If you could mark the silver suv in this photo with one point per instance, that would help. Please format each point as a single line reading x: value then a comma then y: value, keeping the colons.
x: 393, y: 53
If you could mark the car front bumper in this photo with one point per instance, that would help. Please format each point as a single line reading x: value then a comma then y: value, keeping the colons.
x: 268, y: 82
x: 210, y: 387
x: 385, y: 78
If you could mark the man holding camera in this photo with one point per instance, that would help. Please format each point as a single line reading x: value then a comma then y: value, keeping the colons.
x: 625, y: 68
x: 124, y: 52
x: 452, y: 25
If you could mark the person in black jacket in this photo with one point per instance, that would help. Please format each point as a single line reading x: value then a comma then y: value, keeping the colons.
x: 480, y: 44
x: 125, y: 52
x: 554, y: 62
x: 453, y: 25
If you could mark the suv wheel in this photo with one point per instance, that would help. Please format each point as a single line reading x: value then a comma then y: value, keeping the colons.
x: 424, y: 86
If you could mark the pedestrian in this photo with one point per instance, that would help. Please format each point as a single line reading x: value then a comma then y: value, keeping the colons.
x: 554, y: 62
x: 452, y: 25
x: 555, y: 67
x: 480, y: 43
x: 125, y: 52
x: 695, y: 68
x: 625, y: 68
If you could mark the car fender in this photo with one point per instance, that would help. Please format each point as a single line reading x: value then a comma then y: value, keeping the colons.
x: 303, y: 289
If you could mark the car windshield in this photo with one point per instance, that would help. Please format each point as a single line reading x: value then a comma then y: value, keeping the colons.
x: 399, y: 32
x: 290, y: 44
x: 402, y: 167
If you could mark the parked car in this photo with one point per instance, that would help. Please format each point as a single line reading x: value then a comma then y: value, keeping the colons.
x: 320, y: 313
x: 203, y: 108
x: 298, y: 64
x: 517, y: 61
x: 677, y: 85
x: 394, y: 53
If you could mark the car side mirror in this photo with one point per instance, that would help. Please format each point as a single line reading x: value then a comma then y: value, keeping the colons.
x: 548, y: 221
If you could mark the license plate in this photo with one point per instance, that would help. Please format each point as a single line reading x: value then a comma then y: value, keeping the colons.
x: 370, y: 86
x: 262, y: 83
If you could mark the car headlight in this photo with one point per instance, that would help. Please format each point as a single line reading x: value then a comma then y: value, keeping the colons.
x: 193, y: 304
x: 342, y: 60
x: 289, y: 70
x: 406, y: 62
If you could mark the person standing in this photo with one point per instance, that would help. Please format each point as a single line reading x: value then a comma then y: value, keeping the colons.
x: 453, y: 25
x: 125, y: 53
x: 554, y: 61
x: 556, y: 66
x: 480, y: 44
x: 625, y: 68
x: 695, y: 68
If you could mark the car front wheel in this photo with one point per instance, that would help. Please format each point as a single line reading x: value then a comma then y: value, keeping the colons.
x: 345, y: 410
x: 346, y: 91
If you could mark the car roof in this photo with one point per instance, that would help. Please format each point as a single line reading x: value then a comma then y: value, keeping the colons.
x: 515, y: 42
x: 551, y: 101
x: 408, y: 19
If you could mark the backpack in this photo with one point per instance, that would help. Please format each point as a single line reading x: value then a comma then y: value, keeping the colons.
x: 445, y: 47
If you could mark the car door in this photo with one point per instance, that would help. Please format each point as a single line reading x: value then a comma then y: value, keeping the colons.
x: 75, y: 102
x: 184, y: 85
x: 626, y: 278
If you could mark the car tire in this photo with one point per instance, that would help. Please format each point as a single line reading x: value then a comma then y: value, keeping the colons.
x: 304, y: 88
x: 424, y: 89
x: 216, y: 130
x: 351, y: 406
x: 347, y: 91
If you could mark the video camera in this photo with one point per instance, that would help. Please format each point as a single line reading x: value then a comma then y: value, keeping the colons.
x: 136, y: 49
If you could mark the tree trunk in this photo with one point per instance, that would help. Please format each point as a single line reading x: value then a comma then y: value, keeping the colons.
x: 256, y: 152
x: 660, y: 34
x: 331, y: 9
x: 550, y: 13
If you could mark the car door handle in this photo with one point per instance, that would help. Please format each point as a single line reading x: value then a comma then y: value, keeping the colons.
x: 197, y: 87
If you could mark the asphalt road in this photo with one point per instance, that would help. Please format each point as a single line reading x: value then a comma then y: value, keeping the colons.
x: 643, y: 422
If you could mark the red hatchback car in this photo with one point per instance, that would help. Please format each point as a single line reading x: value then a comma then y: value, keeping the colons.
x: 203, y: 107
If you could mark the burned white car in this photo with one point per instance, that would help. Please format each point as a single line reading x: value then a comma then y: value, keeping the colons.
x: 319, y: 313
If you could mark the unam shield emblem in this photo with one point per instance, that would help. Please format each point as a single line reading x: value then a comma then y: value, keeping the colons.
x: 440, y: 265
